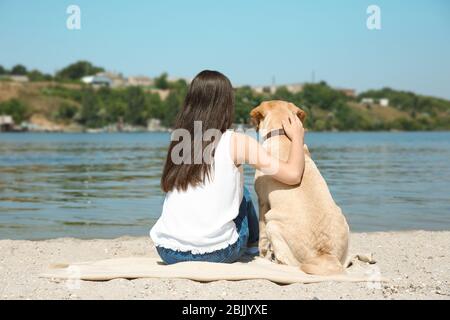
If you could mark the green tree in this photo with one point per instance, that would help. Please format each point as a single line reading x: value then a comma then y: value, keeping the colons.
x: 321, y: 125
x: 349, y: 119
x: 245, y: 100
x: 322, y: 95
x: 66, y: 111
x: 137, y: 111
x: 161, y: 82
x: 90, y: 107
x: 117, y: 110
x: 19, y: 69
x: 406, y: 124
x: 77, y: 70
x: 282, y: 93
x: 172, y: 106
x: 156, y: 106
x: 180, y: 85
x: 36, y: 75
x: 3, y: 70
x: 15, y: 108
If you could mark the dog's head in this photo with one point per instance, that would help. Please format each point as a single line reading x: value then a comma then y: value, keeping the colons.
x: 269, y: 114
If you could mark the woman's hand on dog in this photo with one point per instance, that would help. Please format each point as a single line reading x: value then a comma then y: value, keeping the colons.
x: 245, y: 149
x: 293, y: 128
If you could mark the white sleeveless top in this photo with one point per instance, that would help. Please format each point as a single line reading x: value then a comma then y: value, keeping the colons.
x: 200, y: 219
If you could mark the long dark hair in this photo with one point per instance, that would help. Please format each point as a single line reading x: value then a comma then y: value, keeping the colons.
x: 210, y: 99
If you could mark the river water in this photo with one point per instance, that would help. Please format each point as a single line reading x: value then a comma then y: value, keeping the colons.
x: 107, y: 185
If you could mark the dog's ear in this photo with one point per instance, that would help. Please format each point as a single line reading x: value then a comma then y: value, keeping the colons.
x: 299, y: 112
x: 301, y: 115
x: 256, y: 116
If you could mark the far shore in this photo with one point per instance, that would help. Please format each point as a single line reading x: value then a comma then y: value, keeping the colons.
x: 416, y: 262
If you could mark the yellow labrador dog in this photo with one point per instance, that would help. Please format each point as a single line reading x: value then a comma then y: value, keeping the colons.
x: 299, y: 225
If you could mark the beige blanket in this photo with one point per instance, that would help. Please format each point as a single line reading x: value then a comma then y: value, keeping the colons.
x: 256, y: 268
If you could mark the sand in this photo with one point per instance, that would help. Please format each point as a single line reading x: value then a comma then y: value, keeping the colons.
x: 416, y: 262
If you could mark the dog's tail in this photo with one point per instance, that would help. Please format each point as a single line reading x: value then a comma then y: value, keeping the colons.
x: 325, y: 264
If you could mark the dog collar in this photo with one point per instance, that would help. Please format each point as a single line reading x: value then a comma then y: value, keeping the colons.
x: 274, y: 133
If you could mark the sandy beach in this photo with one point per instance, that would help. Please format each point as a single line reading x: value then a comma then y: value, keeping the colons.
x: 416, y: 262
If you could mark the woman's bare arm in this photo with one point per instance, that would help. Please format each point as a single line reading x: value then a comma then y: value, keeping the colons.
x: 245, y: 149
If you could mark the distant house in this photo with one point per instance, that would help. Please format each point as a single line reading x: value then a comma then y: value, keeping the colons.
x: 367, y: 101
x: 384, y: 102
x: 263, y: 89
x: 141, y: 81
x: 97, y: 80
x: 117, y: 80
x: 15, y: 77
x: 296, y: 88
x: 6, y: 123
x: 347, y: 92
x: 175, y: 79
x: 292, y: 88
x: 163, y: 93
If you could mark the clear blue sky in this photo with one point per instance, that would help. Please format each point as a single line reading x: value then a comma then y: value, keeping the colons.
x: 250, y: 41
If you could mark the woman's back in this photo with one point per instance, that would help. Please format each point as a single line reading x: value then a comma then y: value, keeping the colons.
x: 200, y: 219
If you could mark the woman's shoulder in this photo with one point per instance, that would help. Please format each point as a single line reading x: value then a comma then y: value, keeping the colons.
x: 232, y: 137
x: 240, y: 137
x: 226, y: 145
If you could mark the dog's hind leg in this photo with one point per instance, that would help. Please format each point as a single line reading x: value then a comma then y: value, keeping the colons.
x: 324, y: 264
x: 279, y: 246
x: 264, y: 243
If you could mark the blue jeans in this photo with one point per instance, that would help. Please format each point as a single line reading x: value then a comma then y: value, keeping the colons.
x: 247, y: 226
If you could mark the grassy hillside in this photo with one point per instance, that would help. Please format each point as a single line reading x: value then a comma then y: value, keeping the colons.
x: 68, y: 103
